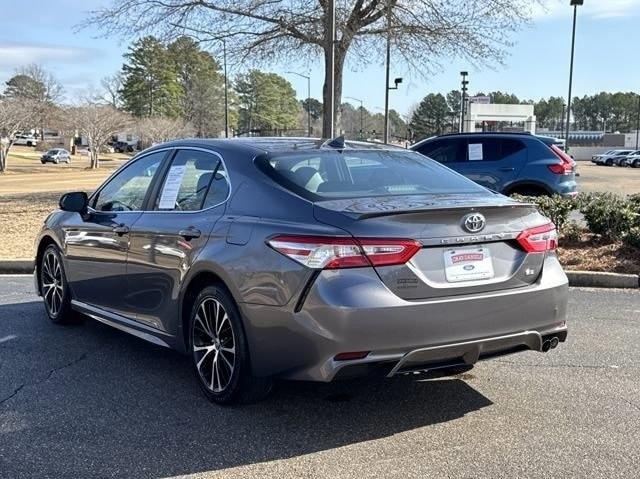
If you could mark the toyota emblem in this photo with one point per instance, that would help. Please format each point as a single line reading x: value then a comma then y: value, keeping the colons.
x: 474, y: 222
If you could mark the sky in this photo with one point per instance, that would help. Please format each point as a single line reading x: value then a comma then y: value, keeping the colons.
x: 607, y: 47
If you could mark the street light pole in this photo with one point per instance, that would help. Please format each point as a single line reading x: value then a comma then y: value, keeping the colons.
x: 385, y: 137
x: 465, y: 82
x: 330, y: 109
x: 361, y: 115
x: 575, y: 4
x: 308, y: 77
x: 564, y: 107
x: 638, y: 127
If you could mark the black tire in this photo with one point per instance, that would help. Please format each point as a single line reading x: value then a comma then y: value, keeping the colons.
x: 42, y: 161
x: 215, y: 328
x: 609, y: 162
x: 29, y: 143
x: 54, y: 288
x: 636, y: 164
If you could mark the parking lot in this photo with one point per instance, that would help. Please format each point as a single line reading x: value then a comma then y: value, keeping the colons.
x: 90, y: 401
x: 623, y: 181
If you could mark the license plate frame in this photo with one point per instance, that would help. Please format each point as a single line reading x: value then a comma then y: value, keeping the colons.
x: 468, y: 264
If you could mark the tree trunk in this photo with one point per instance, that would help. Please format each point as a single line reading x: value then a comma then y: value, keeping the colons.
x: 3, y: 165
x: 340, y: 51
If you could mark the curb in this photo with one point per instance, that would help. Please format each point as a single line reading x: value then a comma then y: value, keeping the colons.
x: 595, y: 279
x: 16, y: 266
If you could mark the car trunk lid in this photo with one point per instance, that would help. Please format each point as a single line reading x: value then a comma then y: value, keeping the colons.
x: 454, y: 259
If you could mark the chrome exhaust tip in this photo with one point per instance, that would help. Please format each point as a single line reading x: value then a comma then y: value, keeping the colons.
x: 546, y: 346
x: 553, y: 342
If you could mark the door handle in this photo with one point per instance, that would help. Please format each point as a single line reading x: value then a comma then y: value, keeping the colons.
x: 190, y: 233
x: 507, y: 169
x: 121, y: 229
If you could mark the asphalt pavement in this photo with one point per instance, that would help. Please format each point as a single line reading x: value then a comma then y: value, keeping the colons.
x: 90, y: 401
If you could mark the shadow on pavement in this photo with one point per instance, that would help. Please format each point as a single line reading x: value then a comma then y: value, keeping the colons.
x: 96, y: 402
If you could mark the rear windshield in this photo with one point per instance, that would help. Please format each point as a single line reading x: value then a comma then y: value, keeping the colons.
x: 330, y: 174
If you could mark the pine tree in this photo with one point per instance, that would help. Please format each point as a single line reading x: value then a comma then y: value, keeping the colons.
x: 150, y: 84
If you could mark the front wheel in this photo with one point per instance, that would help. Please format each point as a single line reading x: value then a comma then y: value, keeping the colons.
x: 54, y: 288
x: 219, y: 350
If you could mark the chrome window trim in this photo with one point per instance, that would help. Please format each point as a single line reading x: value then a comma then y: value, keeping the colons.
x: 147, y: 153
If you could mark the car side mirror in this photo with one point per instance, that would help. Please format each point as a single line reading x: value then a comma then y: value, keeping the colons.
x: 76, y: 202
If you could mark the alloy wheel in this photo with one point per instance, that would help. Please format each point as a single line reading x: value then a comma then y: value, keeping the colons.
x: 214, y: 345
x: 52, y: 283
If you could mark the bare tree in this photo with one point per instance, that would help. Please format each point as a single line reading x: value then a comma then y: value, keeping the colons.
x: 34, y: 83
x: 15, y: 116
x: 421, y: 31
x: 158, y: 129
x: 97, y: 124
x: 111, y: 86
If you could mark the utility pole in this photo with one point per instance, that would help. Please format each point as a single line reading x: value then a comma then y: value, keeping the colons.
x: 575, y: 4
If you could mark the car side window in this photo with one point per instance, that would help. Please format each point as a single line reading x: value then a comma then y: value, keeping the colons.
x: 127, y: 190
x: 195, y: 180
x: 445, y: 150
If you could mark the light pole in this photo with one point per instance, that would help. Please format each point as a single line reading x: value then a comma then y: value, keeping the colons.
x: 308, y: 77
x: 330, y: 69
x: 638, y: 127
x: 564, y: 107
x: 574, y: 4
x: 396, y: 82
x: 361, y: 115
x: 465, y: 82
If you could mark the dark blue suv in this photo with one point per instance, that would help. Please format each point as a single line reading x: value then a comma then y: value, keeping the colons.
x: 505, y: 162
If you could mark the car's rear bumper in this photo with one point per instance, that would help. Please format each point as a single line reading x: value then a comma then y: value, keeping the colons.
x: 352, y: 310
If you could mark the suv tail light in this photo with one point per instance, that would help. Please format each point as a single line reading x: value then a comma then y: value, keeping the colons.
x: 566, y: 164
x: 326, y: 252
x: 539, y: 239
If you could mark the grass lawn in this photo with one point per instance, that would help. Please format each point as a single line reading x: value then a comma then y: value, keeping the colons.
x: 29, y: 191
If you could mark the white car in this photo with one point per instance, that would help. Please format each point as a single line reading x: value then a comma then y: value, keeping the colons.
x: 633, y: 160
x: 26, y: 140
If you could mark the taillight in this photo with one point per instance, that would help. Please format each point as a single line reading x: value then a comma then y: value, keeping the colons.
x: 539, y: 239
x: 566, y: 164
x: 326, y: 252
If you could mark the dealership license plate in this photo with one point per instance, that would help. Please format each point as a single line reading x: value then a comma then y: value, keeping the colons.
x: 468, y: 264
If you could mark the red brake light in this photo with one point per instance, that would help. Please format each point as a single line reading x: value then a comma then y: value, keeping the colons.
x: 539, y: 239
x: 326, y: 252
x: 566, y: 162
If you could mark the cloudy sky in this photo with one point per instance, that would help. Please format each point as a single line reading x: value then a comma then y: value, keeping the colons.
x: 606, y: 54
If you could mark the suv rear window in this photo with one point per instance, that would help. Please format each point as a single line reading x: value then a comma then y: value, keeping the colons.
x: 330, y: 174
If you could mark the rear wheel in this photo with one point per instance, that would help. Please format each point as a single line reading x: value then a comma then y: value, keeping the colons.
x: 219, y: 350
x: 636, y: 163
x: 54, y: 287
x: 609, y: 162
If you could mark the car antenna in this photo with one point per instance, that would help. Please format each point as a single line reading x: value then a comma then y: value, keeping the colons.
x: 337, y: 143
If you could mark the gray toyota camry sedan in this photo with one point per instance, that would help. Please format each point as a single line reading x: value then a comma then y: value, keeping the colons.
x: 303, y: 259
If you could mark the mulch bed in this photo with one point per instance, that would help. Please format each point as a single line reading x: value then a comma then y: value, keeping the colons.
x: 591, y: 253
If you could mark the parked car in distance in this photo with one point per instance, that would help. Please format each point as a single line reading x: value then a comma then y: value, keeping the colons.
x: 633, y: 160
x: 56, y: 155
x: 25, y: 140
x: 329, y: 260
x: 625, y: 160
x: 509, y: 163
x: 122, y: 147
x: 608, y: 157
